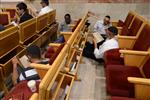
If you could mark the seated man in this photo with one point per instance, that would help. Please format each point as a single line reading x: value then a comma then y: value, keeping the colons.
x: 94, y: 52
x: 19, y: 72
x: 45, y: 7
x: 102, y: 25
x: 23, y: 14
x: 64, y: 26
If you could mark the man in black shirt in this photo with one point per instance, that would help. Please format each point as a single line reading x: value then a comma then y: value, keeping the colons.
x: 23, y: 12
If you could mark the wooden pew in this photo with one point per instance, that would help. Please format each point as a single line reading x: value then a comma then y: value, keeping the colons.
x: 127, y: 22
x: 53, y: 71
x: 42, y: 22
x: 12, y: 12
x: 9, y: 47
x: 128, y: 41
x: 2, y: 84
x: 8, y: 51
x: 51, y: 17
x: 4, y: 18
x: 27, y: 31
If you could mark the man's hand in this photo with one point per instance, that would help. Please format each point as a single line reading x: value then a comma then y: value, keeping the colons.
x: 95, y: 43
x: 15, y: 61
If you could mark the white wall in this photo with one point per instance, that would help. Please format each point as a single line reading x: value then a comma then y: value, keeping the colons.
x: 77, y: 10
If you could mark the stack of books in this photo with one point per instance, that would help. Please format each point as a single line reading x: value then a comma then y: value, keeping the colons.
x: 63, y: 93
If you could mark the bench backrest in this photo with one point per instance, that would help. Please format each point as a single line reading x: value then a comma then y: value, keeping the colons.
x: 9, y: 39
x: 27, y: 29
x: 41, y: 22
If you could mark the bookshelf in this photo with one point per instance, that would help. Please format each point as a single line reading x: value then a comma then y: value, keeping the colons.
x: 61, y: 88
x: 75, y: 53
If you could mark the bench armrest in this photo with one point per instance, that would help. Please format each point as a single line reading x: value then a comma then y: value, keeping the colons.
x: 126, y: 41
x: 66, y: 35
x: 134, y: 58
x: 142, y: 87
x: 41, y: 69
x: 34, y: 96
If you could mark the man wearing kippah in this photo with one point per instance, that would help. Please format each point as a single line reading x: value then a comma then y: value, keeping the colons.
x: 45, y: 7
x: 111, y: 43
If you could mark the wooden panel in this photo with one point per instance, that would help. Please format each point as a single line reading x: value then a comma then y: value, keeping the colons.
x: 4, y: 18
x: 51, y: 17
x: 142, y: 92
x: 41, y: 22
x: 2, y: 85
x: 9, y: 39
x: 27, y: 30
x: 5, y: 61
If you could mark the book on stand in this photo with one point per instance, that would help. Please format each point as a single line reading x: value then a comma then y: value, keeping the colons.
x: 98, y: 37
x: 24, y: 61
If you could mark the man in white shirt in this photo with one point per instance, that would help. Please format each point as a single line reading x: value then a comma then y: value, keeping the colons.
x: 45, y: 7
x: 102, y: 25
x: 96, y: 52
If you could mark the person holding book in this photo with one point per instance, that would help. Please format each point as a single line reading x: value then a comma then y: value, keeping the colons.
x: 20, y: 72
x: 45, y: 7
x: 95, y: 52
x: 102, y: 25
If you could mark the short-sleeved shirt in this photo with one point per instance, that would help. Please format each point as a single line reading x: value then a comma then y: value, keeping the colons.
x: 107, y: 45
x: 100, y: 27
x: 45, y: 10
x: 64, y: 27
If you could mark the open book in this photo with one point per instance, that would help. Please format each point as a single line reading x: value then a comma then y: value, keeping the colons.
x: 98, y: 37
x: 24, y: 61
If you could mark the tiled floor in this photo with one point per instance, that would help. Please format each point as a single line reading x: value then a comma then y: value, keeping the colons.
x: 92, y: 84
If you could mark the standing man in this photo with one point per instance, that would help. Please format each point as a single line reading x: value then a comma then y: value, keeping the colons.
x: 45, y: 7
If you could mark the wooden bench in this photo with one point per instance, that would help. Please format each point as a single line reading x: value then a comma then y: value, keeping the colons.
x: 9, y: 44
x: 53, y: 74
x: 126, y: 41
x: 12, y: 12
x: 42, y: 22
x: 9, y: 47
x: 27, y: 31
x: 4, y: 18
x: 51, y: 17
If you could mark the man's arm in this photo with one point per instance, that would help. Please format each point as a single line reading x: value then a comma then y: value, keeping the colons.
x: 15, y: 72
x: 97, y: 52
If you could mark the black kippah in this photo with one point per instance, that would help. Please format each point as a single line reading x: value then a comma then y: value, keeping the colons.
x: 34, y: 51
x: 45, y: 1
x: 113, y: 29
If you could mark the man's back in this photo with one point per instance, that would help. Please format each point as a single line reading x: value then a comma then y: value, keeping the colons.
x: 45, y: 10
x: 100, y: 27
x: 107, y: 45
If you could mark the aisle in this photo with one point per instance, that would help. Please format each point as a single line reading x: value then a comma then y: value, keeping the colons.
x: 92, y: 85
